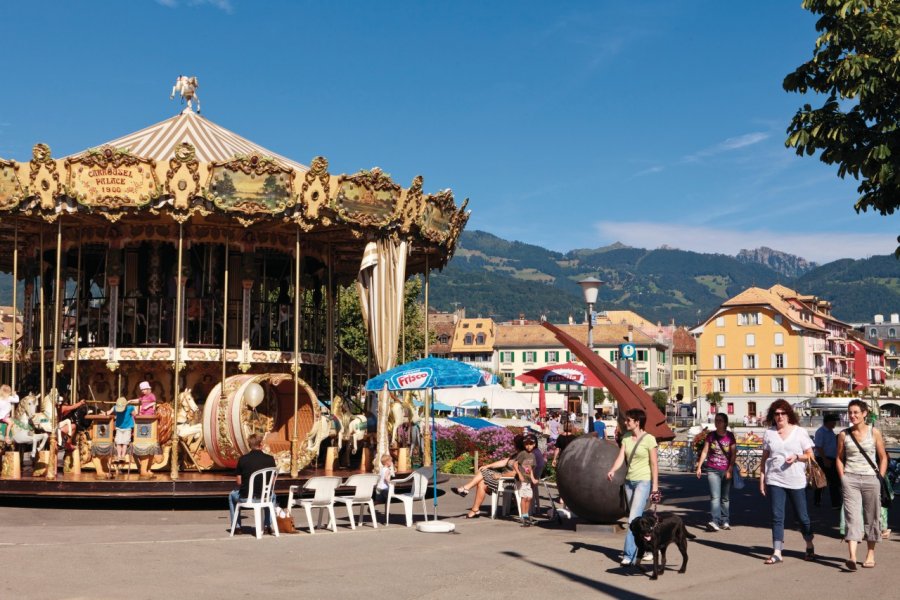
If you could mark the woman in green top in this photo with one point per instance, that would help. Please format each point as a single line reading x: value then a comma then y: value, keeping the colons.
x: 639, y: 450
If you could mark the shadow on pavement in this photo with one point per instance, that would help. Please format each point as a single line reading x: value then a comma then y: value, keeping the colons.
x: 613, y: 590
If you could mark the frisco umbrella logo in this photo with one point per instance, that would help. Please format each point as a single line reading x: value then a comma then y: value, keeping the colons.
x: 565, y: 376
x: 412, y: 380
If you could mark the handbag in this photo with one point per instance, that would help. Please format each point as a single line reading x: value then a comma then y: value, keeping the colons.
x: 737, y: 480
x: 815, y: 476
x: 285, y: 523
x: 887, y: 490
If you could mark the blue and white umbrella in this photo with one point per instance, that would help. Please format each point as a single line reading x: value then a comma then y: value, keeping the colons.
x: 431, y: 373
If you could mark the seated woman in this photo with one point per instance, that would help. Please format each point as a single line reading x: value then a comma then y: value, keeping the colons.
x: 488, y: 479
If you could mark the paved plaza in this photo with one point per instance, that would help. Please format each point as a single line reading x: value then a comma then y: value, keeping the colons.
x: 112, y: 550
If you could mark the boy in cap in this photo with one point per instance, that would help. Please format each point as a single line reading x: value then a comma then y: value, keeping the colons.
x: 124, y: 425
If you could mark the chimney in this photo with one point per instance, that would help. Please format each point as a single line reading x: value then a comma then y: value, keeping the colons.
x: 571, y: 320
x: 879, y: 319
x: 895, y: 318
x: 630, y: 333
x: 521, y: 318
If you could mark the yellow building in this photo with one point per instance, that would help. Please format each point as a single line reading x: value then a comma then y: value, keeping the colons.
x: 473, y: 342
x: 759, y: 346
x: 684, y: 366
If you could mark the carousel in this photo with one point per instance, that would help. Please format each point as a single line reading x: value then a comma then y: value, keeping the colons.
x: 187, y: 259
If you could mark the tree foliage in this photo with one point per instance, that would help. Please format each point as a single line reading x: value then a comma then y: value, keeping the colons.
x: 352, y: 334
x: 856, y: 66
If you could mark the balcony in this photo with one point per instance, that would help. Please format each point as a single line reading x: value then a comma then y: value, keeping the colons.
x: 820, y: 349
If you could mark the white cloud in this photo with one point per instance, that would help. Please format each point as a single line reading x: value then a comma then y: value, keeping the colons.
x: 819, y: 247
x: 732, y: 143
x: 650, y: 171
x: 223, y: 5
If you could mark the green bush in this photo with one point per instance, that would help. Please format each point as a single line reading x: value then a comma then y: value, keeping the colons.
x: 461, y: 465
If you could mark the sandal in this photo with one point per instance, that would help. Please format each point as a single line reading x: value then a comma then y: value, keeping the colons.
x: 810, y: 554
x: 473, y: 515
x: 460, y: 491
x: 773, y: 560
x: 850, y: 564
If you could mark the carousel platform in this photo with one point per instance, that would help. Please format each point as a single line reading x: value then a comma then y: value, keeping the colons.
x: 130, y: 486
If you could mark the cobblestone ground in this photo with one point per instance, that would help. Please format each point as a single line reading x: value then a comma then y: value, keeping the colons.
x: 152, y: 550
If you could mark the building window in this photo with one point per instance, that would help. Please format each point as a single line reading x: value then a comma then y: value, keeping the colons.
x: 509, y: 379
x: 779, y: 361
x: 777, y: 319
x: 720, y: 321
x: 479, y: 339
x: 720, y: 341
x: 645, y: 377
x: 552, y: 356
x: 748, y: 319
x: 892, y: 333
x: 751, y: 340
x: 529, y: 357
x: 778, y: 384
x: 750, y: 384
x: 779, y: 339
x: 613, y: 355
x: 751, y: 409
x: 680, y: 374
x: 468, y: 339
x: 642, y: 356
x: 719, y: 361
x: 507, y: 357
x: 873, y: 333
x: 731, y: 408
x: 721, y: 385
x: 749, y: 361
x: 679, y: 360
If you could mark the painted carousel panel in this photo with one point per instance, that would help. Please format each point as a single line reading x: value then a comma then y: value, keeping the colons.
x: 11, y: 192
x: 112, y: 179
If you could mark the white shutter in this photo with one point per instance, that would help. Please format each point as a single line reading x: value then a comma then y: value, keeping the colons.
x: 773, y: 361
x: 759, y: 317
x: 784, y: 362
x: 727, y: 384
x: 785, y: 384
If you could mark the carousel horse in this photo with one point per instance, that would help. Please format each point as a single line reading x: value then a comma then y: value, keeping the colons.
x: 324, y: 427
x: 405, y: 416
x: 187, y: 89
x: 189, y: 429
x: 23, y: 432
x: 72, y: 418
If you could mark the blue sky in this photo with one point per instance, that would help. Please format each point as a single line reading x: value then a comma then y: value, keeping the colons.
x: 568, y: 124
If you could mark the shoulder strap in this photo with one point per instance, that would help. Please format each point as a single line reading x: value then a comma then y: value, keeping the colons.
x: 634, y: 450
x: 863, y: 452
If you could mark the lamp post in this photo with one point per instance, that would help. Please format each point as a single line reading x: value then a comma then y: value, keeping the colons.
x: 590, y: 287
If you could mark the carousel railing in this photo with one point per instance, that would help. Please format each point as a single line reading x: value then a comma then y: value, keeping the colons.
x: 272, y: 327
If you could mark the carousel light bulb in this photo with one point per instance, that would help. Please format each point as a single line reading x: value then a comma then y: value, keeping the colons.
x: 254, y: 395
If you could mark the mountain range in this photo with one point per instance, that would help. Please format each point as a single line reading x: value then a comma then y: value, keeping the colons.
x: 490, y: 276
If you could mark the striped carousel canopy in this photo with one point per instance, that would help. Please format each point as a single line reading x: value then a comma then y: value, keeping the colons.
x: 211, y: 142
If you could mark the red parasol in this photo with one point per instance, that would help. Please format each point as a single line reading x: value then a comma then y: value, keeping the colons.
x: 568, y: 373
x: 627, y: 393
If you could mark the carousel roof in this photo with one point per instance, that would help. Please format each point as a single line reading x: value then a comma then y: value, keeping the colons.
x: 211, y: 142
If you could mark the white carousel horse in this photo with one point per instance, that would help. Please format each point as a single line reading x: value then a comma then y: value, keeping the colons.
x: 403, y: 412
x: 187, y: 88
x: 354, y: 428
x: 188, y: 426
x: 323, y: 428
x: 22, y: 430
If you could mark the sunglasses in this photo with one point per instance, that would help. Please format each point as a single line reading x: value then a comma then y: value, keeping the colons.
x: 780, y: 413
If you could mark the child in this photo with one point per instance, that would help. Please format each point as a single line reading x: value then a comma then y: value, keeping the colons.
x: 384, y: 477
x: 124, y: 425
x: 7, y: 399
x: 524, y: 467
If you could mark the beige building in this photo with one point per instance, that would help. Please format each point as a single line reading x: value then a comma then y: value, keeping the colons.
x: 684, y: 366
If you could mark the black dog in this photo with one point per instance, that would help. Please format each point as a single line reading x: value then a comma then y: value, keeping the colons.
x: 652, y: 535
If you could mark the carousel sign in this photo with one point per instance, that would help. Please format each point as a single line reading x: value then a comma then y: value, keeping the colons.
x: 112, y: 179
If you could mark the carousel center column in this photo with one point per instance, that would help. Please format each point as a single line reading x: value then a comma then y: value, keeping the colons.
x: 248, y: 263
x: 113, y: 277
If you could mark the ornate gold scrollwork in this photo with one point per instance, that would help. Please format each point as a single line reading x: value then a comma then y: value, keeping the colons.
x: 367, y: 198
x: 11, y: 192
x: 112, y: 179
x: 43, y: 177
x: 436, y: 220
x: 251, y: 185
x: 186, y: 169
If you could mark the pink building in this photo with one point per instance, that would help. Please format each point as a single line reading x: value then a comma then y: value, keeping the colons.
x: 867, y: 363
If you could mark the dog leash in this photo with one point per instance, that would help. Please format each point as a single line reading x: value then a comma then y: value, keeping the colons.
x: 655, y: 498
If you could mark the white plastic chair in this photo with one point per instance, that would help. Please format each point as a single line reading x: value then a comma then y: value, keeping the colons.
x: 265, y: 480
x: 363, y: 488
x: 323, y: 499
x: 507, y: 488
x: 420, y: 479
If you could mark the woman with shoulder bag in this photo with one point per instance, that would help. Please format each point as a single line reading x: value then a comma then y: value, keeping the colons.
x: 787, y: 448
x: 639, y: 451
x: 857, y: 448
x: 719, y: 452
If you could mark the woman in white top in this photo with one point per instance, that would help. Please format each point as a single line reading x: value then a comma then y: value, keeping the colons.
x: 787, y: 448
x: 861, y: 487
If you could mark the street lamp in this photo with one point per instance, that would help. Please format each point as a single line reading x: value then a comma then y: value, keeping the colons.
x: 590, y: 287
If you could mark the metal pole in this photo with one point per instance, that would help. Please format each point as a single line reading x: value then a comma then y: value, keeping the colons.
x: 590, y: 390
x: 224, y: 320
x: 426, y: 306
x: 15, y: 305
x: 179, y: 285
x: 42, y: 316
x: 78, y: 291
x: 51, y: 464
x: 329, y: 323
x: 295, y: 442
